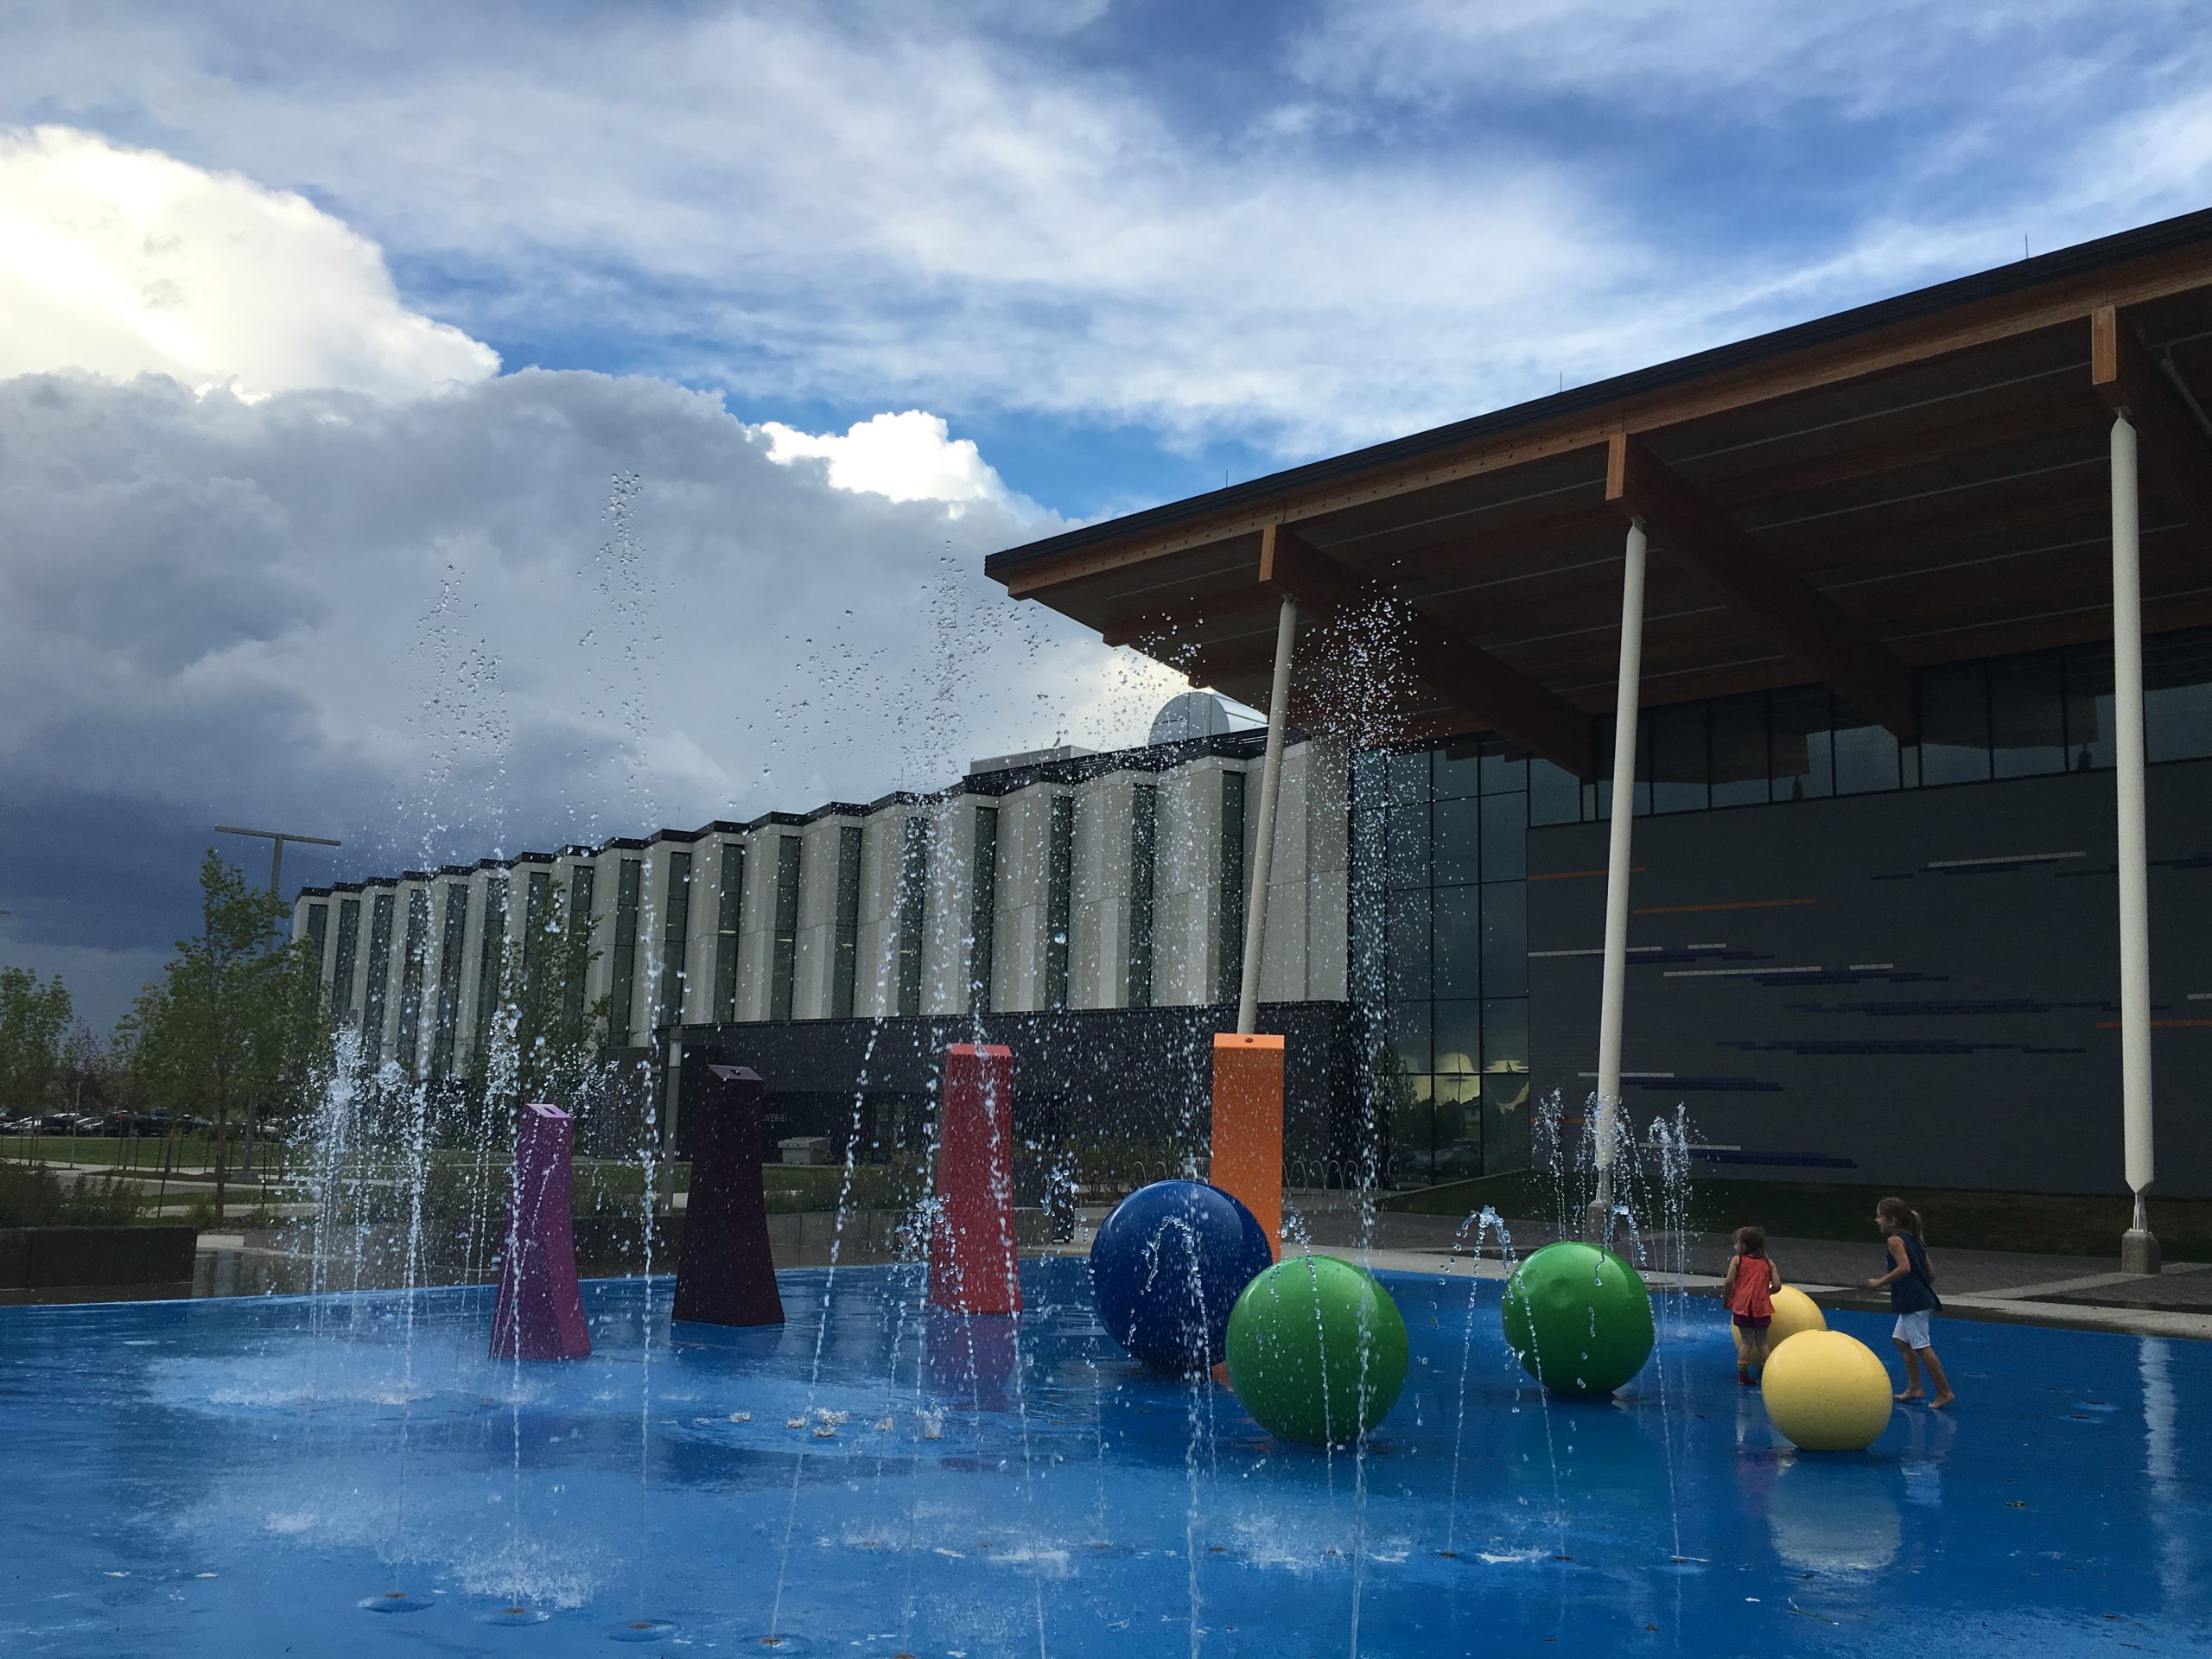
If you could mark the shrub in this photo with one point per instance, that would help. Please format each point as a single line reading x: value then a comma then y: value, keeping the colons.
x: 31, y: 1195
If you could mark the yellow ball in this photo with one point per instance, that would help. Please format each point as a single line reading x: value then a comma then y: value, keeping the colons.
x: 1794, y: 1311
x: 1828, y: 1392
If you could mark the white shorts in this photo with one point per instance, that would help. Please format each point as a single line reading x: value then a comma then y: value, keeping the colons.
x: 1912, y: 1330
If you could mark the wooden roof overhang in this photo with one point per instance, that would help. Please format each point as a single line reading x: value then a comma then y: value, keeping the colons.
x: 1920, y: 480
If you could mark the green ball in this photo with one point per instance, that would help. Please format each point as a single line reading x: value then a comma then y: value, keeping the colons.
x: 1577, y: 1318
x: 1317, y: 1350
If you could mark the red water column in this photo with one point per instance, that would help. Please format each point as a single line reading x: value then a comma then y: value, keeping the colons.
x: 540, y: 1310
x: 725, y: 1274
x: 971, y: 1254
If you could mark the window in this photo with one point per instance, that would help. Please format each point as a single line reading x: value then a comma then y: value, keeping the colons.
x: 578, y: 925
x: 1454, y: 851
x: 1803, y: 760
x: 1505, y: 941
x: 375, y: 995
x: 1681, y: 778
x: 318, y: 933
x: 1555, y: 794
x: 540, y: 895
x: 629, y: 878
x: 845, y: 965
x: 2027, y: 715
x: 912, y: 910
x: 491, y: 959
x: 1230, y: 984
x: 983, y: 910
x: 1455, y: 936
x: 1866, y: 755
x: 452, y: 957
x: 1505, y: 837
x: 675, y: 939
x: 1144, y: 856
x: 2178, y: 696
x: 1736, y: 735
x: 1059, y: 898
x: 783, y: 968
x: 342, y: 971
x: 411, y: 969
x: 728, y: 921
x: 1954, y: 724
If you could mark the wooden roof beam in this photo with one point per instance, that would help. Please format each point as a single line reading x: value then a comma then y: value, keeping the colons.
x: 1782, y: 605
x: 1456, y: 669
x: 2130, y: 383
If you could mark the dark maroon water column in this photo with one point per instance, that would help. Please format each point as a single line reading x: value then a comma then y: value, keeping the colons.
x: 541, y: 1311
x: 724, y: 1274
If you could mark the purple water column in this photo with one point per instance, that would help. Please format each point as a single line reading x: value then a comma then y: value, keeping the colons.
x: 724, y: 1274
x: 541, y: 1311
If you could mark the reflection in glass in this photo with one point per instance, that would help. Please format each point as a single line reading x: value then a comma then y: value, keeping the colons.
x: 1407, y: 974
x: 1407, y: 844
x: 1865, y: 754
x: 2027, y: 716
x: 1804, y: 761
x: 1453, y: 833
x: 1737, y: 739
x: 1954, y: 724
x: 1459, y: 942
x: 1505, y: 837
x: 1677, y: 759
x: 1505, y: 940
x: 1456, y: 771
x: 1555, y: 794
x: 1408, y: 773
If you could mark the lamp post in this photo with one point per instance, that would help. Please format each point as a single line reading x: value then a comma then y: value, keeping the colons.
x: 276, y: 838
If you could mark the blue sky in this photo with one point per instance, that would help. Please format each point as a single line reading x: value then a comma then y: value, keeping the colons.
x: 462, y: 262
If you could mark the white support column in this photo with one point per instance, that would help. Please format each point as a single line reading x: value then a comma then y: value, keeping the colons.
x: 1263, y: 845
x: 2139, y: 1246
x: 1617, y: 874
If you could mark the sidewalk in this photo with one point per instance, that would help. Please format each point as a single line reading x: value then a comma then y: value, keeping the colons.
x: 2077, y: 1292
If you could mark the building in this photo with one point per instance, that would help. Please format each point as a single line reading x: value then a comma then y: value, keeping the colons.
x: 1903, y: 619
x: 1091, y: 904
x: 1887, y: 613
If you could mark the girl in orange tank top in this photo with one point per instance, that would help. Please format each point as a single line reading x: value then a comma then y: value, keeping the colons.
x: 1748, y: 1292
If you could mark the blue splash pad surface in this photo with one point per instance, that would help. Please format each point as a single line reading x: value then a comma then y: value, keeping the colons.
x: 251, y: 1477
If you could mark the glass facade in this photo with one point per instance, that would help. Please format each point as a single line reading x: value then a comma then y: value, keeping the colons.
x: 1440, y: 912
x: 983, y: 909
x: 628, y: 881
x: 912, y: 911
x: 491, y: 958
x: 729, y: 914
x: 341, y: 971
x: 1440, y: 947
x: 1230, y: 953
x: 1144, y: 863
x: 318, y: 933
x: 783, y: 967
x: 675, y: 940
x: 1059, y: 898
x: 376, y: 995
x: 452, y: 954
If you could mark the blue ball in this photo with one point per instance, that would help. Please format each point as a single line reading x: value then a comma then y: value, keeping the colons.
x: 1168, y: 1265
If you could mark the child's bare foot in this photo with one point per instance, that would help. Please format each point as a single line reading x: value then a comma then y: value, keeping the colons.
x: 1941, y: 1400
x: 1914, y: 1394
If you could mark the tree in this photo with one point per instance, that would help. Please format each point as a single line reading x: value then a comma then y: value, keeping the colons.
x: 230, y: 1031
x: 545, y: 1042
x: 34, y: 1021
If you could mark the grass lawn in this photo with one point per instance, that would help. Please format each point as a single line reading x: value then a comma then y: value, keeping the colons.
x: 2043, y: 1223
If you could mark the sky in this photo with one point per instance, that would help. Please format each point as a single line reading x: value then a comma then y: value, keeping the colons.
x: 460, y: 428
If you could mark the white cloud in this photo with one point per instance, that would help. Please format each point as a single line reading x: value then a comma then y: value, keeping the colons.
x: 908, y: 457
x: 120, y: 262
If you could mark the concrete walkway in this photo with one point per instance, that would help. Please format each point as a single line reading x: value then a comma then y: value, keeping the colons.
x: 2078, y: 1292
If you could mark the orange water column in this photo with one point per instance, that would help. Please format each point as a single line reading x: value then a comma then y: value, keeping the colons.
x: 1247, y: 1125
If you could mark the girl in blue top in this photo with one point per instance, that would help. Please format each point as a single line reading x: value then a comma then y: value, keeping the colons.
x: 1911, y: 1284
